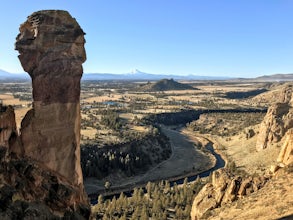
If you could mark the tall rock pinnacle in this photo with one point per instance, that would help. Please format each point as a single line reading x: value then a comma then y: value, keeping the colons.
x: 51, y: 50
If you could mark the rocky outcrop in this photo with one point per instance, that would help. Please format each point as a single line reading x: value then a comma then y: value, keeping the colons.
x: 51, y: 50
x: 28, y: 190
x: 8, y: 132
x: 7, y: 125
x: 224, y: 188
x: 286, y: 154
x: 278, y: 120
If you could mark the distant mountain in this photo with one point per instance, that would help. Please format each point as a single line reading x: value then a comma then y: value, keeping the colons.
x: 276, y: 77
x: 165, y: 85
x: 4, y: 74
x: 12, y: 76
x: 138, y: 75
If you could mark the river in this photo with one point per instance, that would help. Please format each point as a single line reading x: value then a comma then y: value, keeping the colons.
x: 220, y: 162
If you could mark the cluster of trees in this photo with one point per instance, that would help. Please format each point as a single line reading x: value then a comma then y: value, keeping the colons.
x: 99, y: 163
x: 111, y: 120
x: 226, y: 123
x: 129, y: 158
x: 158, y: 201
x: 244, y: 95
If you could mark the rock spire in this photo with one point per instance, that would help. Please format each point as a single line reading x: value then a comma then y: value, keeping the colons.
x: 51, y: 50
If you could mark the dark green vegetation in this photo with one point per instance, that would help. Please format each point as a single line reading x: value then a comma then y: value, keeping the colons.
x: 111, y: 120
x: 187, y: 116
x: 129, y: 158
x: 22, y: 91
x: 225, y: 124
x: 159, y: 201
x: 165, y: 85
x: 243, y: 95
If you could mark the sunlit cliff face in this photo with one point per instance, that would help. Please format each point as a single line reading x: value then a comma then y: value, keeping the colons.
x: 26, y: 45
x: 59, y: 41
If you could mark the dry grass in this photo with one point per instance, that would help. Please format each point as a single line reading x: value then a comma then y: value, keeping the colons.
x: 8, y: 99
x: 139, y: 128
x: 89, y: 132
x: 244, y: 154
x: 103, y: 98
x: 273, y: 201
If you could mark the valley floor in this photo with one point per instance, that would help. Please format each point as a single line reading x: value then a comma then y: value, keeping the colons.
x: 186, y: 159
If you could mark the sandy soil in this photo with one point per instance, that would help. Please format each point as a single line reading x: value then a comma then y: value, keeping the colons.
x: 186, y: 158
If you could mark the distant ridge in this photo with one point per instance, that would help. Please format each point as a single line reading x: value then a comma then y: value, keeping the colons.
x: 276, y: 77
x: 139, y: 75
x: 136, y: 75
x: 165, y: 85
x: 12, y: 76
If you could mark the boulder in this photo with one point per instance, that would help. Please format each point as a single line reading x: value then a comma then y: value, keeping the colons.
x: 231, y: 192
x: 223, y: 189
x: 203, y: 202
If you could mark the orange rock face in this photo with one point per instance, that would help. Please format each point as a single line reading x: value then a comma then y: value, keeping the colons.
x: 286, y: 154
x: 278, y: 120
x: 51, y: 50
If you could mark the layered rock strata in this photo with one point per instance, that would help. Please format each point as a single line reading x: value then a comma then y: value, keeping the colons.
x: 51, y: 50
x: 278, y: 120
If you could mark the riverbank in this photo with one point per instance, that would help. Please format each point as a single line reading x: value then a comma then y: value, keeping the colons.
x: 188, y: 158
x: 206, y: 148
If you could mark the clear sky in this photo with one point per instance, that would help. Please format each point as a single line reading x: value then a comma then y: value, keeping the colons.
x: 244, y: 38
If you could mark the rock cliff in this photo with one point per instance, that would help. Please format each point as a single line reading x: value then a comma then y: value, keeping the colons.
x: 286, y: 154
x: 40, y: 169
x: 278, y: 120
x: 51, y: 50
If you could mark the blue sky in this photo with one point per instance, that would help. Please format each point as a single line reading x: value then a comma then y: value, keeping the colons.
x: 243, y: 38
